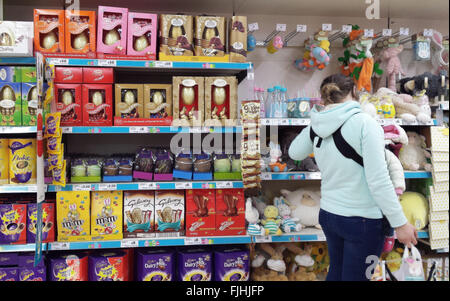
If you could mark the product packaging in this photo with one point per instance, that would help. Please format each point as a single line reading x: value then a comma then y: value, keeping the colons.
x: 68, y: 101
x: 139, y: 214
x: 80, y: 31
x: 49, y: 30
x: 48, y: 222
x: 9, y: 273
x: 29, y: 104
x: 97, y: 104
x: 188, y: 100
x: 92, y: 75
x: 158, y: 104
x: 183, y: 166
x: 200, y: 212
x: 238, y: 39
x: 10, y: 104
x: 27, y: 74
x: 112, y: 30
x: 209, y: 36
x: 73, y: 215
x: 129, y: 101
x: 26, y: 269
x: 155, y: 265
x: 203, y: 167
x: 142, y: 33
x: 22, y: 161
x: 143, y: 164
x: 106, y: 215
x: 163, y: 165
x: 118, y: 169
x: 16, y: 38
x: 108, y: 266
x: 176, y: 35
x: 69, y: 267
x: 231, y: 264
x: 230, y: 212
x: 169, y: 208
x: 10, y: 74
x: 68, y: 75
x: 227, y: 167
x: 194, y: 265
x: 13, y: 219
x: 4, y: 161
x: 86, y: 170
x: 221, y: 100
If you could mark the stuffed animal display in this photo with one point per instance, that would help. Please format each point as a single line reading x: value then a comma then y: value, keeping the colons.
x: 414, y: 155
x: 252, y: 218
x: 394, y: 137
x: 317, y: 53
x: 415, y: 207
x: 433, y: 85
x: 305, y: 206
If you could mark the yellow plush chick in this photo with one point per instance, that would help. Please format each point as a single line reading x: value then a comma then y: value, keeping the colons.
x: 394, y: 260
x: 415, y: 207
x: 271, y: 222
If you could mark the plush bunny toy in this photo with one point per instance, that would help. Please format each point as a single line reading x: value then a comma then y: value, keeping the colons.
x: 393, y: 67
x: 414, y: 155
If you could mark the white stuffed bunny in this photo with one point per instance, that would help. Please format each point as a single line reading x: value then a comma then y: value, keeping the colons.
x: 252, y: 217
x: 288, y: 223
x: 414, y: 155
x: 305, y: 206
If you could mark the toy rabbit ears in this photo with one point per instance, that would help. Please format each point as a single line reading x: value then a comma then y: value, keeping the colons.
x: 280, y: 201
x: 73, y: 207
x: 107, y: 202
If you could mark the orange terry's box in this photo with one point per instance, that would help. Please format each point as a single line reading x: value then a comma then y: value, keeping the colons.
x: 49, y: 30
x: 230, y: 212
x: 80, y: 31
x: 200, y: 212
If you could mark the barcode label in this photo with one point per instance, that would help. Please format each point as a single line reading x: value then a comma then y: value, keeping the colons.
x: 139, y: 129
x: 82, y: 187
x: 315, y: 176
x: 302, y: 28
x: 60, y: 245
x: 129, y: 243
x: 263, y: 239
x: 266, y: 176
x: 107, y: 63
x: 183, y: 185
x: 192, y: 241
x: 107, y: 187
x: 147, y: 186
x: 224, y: 185
x: 66, y: 130
x: 163, y: 64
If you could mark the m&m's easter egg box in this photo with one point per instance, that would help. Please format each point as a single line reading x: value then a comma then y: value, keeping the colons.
x: 106, y: 217
x: 73, y: 215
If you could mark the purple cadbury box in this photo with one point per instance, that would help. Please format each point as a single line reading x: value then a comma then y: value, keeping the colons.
x: 37, y: 273
x: 155, y: 265
x: 102, y: 265
x: 9, y: 274
x: 231, y: 265
x: 194, y: 265
x: 9, y: 259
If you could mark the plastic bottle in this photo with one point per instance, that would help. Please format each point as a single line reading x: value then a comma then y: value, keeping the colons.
x: 283, y: 102
x: 277, y: 108
x: 269, y: 104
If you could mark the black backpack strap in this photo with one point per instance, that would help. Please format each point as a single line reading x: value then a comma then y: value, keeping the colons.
x: 313, y: 135
x: 346, y: 149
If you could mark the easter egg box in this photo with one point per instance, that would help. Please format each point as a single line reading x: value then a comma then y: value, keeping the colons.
x: 129, y: 103
x: 142, y: 33
x: 80, y: 31
x: 49, y: 30
x: 188, y: 100
x: 68, y: 101
x: 97, y: 104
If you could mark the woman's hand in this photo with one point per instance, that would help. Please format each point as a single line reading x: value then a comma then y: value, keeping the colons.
x: 406, y: 234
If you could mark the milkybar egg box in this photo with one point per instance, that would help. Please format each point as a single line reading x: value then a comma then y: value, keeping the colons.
x: 73, y: 215
x: 106, y: 214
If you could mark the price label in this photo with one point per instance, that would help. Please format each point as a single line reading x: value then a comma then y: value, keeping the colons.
x: 253, y: 26
x: 368, y: 33
x: 224, y: 185
x: 139, y: 130
x: 107, y: 187
x: 387, y: 32
x: 302, y: 28
x: 66, y: 130
x: 196, y: 129
x: 274, y: 121
x: 315, y: 176
x: 295, y: 121
x: 347, y: 28
x: 107, y: 63
x: 404, y: 31
x: 183, y: 185
x: 60, y: 246
x: 58, y: 61
x: 265, y: 121
x: 284, y: 121
x: 428, y: 32
x: 263, y: 239
x: 56, y: 188
x: 163, y: 64
x: 147, y: 186
x: 192, y: 241
x: 32, y: 188
x: 129, y: 243
x: 281, y: 27
x: 82, y: 187
x: 304, y: 121
x: 327, y: 27
x: 321, y: 237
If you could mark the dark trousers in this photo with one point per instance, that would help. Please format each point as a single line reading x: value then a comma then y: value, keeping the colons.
x: 351, y: 240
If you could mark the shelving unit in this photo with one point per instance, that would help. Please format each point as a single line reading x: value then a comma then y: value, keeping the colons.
x: 307, y: 121
x: 147, y: 130
x: 298, y: 175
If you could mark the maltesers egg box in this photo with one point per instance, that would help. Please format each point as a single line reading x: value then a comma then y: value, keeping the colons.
x: 80, y: 31
x: 97, y: 104
x: 49, y: 30
x: 92, y: 75
x: 112, y: 30
x: 68, y: 75
x: 68, y: 101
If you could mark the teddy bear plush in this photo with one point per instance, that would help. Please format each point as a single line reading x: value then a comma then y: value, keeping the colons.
x: 413, y: 156
x: 305, y: 206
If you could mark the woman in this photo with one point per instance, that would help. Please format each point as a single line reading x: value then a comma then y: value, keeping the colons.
x: 356, y: 188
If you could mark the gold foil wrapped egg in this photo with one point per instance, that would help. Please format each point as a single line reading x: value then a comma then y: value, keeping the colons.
x: 67, y: 98
x: 8, y: 93
x: 158, y: 98
x: 112, y: 37
x: 5, y: 39
x: 141, y: 43
x: 219, y: 95
x: 49, y: 40
x: 97, y: 98
x: 188, y: 95
x: 129, y: 98
x: 80, y: 41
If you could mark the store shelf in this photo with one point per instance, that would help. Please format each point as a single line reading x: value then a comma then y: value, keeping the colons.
x: 307, y: 121
x: 147, y: 130
x: 17, y: 129
x: 307, y: 234
x: 17, y: 60
x: 299, y: 175
x: 147, y: 186
x: 20, y: 248
x: 423, y: 234
x: 18, y: 188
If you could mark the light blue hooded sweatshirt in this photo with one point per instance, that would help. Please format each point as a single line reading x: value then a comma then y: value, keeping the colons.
x: 347, y: 188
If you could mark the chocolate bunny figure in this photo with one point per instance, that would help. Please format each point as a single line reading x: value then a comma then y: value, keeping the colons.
x: 201, y: 203
x: 231, y: 202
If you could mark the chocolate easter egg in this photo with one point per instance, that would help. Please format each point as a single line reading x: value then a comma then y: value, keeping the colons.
x: 5, y: 39
x: 210, y: 33
x: 49, y: 40
x: 112, y: 37
x: 80, y: 41
x: 8, y: 93
x: 188, y: 95
x: 176, y: 31
x: 129, y: 98
x: 97, y: 98
x: 219, y: 95
x: 158, y: 98
x: 67, y: 98
x: 140, y: 43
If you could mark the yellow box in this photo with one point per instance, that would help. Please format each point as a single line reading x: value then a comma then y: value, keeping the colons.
x: 106, y: 214
x: 4, y: 161
x: 22, y: 161
x: 73, y: 215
